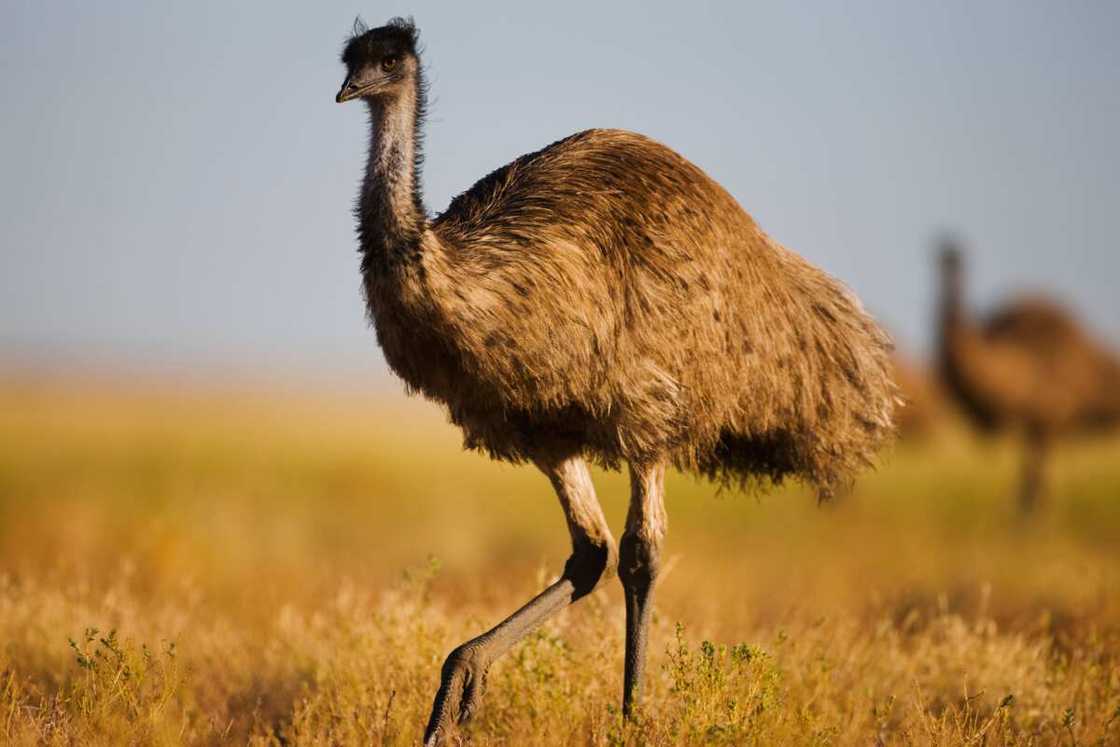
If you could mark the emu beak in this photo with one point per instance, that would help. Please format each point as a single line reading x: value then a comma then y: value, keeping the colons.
x: 348, y: 91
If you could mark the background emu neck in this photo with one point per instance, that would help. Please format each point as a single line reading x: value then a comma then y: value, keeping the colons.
x: 391, y: 210
x: 951, y: 311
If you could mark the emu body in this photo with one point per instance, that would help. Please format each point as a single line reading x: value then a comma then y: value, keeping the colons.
x: 603, y: 299
x: 1030, y: 367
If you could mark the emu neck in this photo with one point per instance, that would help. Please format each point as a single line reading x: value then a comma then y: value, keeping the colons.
x: 952, y: 321
x: 391, y: 214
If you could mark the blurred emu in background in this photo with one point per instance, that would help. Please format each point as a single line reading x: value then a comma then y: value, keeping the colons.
x: 923, y: 401
x: 1030, y: 367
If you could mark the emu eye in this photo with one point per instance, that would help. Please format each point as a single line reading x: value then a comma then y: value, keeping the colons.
x: 389, y: 62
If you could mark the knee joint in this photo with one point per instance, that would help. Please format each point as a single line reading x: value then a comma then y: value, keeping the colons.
x: 589, y: 563
x: 639, y: 560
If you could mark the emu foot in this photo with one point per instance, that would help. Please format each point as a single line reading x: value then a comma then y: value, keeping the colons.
x: 461, y: 685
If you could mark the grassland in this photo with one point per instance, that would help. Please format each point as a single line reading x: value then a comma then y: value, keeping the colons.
x: 180, y: 565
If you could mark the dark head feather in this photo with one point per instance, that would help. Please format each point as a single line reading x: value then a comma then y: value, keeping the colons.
x: 397, y: 36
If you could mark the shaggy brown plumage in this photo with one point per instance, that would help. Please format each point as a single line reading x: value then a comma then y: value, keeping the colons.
x: 604, y: 295
x: 603, y: 298
x: 1029, y: 367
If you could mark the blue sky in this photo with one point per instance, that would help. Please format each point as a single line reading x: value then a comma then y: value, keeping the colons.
x: 177, y: 181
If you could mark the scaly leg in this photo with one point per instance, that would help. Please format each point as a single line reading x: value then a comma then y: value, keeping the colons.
x: 593, y: 558
x: 638, y: 565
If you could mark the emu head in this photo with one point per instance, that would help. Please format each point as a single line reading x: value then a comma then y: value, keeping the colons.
x: 379, y: 62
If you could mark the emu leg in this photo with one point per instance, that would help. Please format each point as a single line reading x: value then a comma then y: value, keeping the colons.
x: 638, y: 565
x: 593, y: 557
x: 1034, y: 471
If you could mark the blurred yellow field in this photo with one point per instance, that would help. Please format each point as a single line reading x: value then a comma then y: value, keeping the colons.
x: 183, y: 565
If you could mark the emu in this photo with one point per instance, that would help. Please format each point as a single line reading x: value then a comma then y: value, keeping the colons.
x: 602, y: 300
x: 1030, y: 367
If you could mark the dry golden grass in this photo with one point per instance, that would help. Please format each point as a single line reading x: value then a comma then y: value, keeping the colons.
x: 181, y: 566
